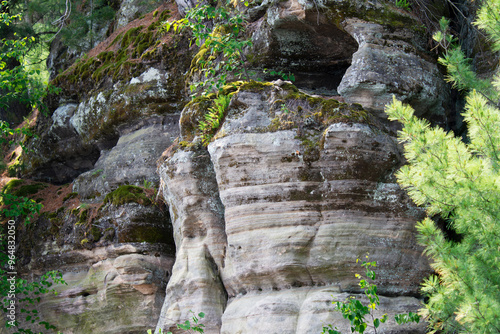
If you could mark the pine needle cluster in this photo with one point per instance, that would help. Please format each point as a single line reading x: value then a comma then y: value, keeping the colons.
x: 460, y: 181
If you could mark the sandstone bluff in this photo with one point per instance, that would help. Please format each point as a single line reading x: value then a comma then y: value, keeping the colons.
x: 261, y: 229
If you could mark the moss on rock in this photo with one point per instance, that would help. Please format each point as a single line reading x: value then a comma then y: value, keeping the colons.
x: 127, y: 194
x: 144, y: 233
x: 70, y: 196
x: 18, y: 188
x: 121, y: 59
x: 11, y: 185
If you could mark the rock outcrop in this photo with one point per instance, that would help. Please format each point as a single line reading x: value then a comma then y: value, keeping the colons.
x: 384, y: 55
x: 191, y: 191
x: 261, y: 229
x: 107, y: 232
x: 303, y: 192
x: 110, y: 290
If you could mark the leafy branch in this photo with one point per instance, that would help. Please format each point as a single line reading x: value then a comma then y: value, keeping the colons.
x: 353, y: 309
x: 219, y: 34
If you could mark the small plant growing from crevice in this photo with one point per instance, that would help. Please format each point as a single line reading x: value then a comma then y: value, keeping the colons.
x: 353, y: 309
x: 403, y: 4
x: 284, y: 109
x: 148, y: 184
x: 213, y: 118
x: 194, y: 327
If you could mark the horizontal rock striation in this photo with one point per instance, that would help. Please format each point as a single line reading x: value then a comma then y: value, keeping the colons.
x: 115, y: 259
x: 306, y: 310
x: 115, y: 289
x: 306, y: 189
x: 264, y: 225
x: 392, y: 63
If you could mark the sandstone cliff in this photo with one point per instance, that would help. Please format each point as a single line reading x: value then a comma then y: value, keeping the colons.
x: 261, y: 229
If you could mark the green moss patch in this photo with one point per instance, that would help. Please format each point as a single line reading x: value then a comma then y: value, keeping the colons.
x: 15, y: 183
x: 82, y: 218
x: 127, y: 194
x: 120, y: 60
x: 144, y: 233
x: 386, y: 14
x: 18, y: 188
x: 15, y: 168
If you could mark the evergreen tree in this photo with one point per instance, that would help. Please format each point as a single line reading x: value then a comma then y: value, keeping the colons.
x: 459, y: 179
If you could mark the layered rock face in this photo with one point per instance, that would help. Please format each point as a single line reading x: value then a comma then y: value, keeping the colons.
x: 105, y: 232
x: 304, y: 193
x: 261, y: 229
x: 306, y: 183
x: 384, y: 55
x: 116, y: 289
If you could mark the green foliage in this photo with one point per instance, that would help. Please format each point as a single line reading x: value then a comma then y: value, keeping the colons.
x: 148, y: 184
x: 214, y: 117
x: 284, y: 109
x: 14, y: 200
x: 20, y: 82
x: 14, y: 207
x: 85, y: 21
x: 195, y: 327
x: 488, y: 19
x: 8, y: 135
x: 219, y: 32
x: 21, y: 77
x: 459, y: 181
x: 403, y: 4
x: 459, y: 68
x: 25, y: 293
x: 354, y: 310
x: 283, y: 75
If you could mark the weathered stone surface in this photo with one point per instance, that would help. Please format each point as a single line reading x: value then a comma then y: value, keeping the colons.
x: 75, y: 138
x: 306, y: 310
x: 64, y: 53
x: 133, y: 9
x: 117, y: 289
x: 133, y: 159
x: 190, y: 189
x: 267, y: 221
x: 185, y: 5
x: 301, y: 201
x: 116, y: 266
x: 323, y: 210
x: 302, y: 40
x: 388, y: 63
